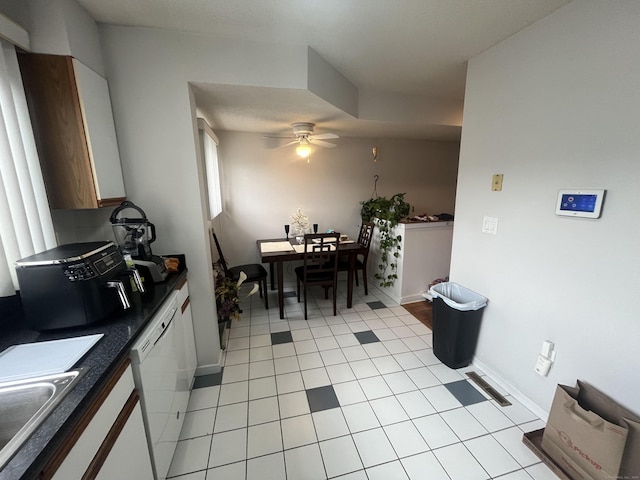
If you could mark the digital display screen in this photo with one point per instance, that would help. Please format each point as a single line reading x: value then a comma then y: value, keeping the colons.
x: 107, y: 263
x: 578, y: 202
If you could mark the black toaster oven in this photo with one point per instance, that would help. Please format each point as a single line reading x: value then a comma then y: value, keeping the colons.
x: 72, y: 285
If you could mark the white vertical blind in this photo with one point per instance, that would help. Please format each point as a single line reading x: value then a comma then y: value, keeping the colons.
x: 25, y: 219
x: 210, y: 153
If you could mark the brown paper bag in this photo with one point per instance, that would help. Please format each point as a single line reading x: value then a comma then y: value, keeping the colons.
x: 582, y: 442
x: 592, y: 399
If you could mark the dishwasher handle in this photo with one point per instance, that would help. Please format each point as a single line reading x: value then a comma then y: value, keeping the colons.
x: 167, y: 325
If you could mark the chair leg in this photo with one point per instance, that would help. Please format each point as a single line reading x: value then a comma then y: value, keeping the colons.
x: 260, y: 288
x: 305, y: 302
x: 335, y: 298
x: 364, y: 280
x: 266, y: 293
x: 356, y: 275
x: 298, y: 285
x: 326, y: 293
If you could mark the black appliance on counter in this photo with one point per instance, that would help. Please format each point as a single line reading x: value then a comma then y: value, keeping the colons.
x: 134, y: 237
x: 72, y: 285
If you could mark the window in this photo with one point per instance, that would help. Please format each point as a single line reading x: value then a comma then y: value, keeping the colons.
x: 212, y: 171
x: 25, y: 219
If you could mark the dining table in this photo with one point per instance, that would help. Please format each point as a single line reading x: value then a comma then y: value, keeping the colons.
x: 277, y: 251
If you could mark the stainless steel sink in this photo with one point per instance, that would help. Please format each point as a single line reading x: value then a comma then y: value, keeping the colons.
x: 24, y: 404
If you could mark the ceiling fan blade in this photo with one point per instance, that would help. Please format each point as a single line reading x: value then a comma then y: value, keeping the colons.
x: 278, y: 136
x: 324, y: 136
x: 287, y: 144
x: 322, y: 143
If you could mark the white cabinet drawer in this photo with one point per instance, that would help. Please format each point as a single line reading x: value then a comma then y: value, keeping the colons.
x: 128, y: 457
x: 86, y: 445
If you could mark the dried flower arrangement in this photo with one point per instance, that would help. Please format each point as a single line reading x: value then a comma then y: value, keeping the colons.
x: 300, y: 223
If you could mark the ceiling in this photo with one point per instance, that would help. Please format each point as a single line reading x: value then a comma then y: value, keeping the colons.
x: 415, y: 50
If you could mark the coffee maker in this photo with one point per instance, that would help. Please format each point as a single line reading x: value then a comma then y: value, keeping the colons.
x: 134, y: 237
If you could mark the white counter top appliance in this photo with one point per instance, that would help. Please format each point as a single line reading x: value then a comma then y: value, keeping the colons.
x: 72, y: 285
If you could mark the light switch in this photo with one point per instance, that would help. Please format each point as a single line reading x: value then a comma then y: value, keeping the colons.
x: 490, y: 225
x: 496, y: 182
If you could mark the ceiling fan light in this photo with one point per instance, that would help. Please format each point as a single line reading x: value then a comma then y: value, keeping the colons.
x: 303, y: 150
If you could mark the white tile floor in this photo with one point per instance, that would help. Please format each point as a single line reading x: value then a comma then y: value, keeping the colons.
x: 395, y: 419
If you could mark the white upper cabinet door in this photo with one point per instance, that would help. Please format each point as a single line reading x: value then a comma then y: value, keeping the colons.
x: 73, y: 127
x: 95, y: 104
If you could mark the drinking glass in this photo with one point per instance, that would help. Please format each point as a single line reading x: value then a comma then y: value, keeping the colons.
x: 315, y: 228
x: 286, y: 231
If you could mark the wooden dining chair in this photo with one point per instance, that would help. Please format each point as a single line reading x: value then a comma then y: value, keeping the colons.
x: 364, y: 239
x: 255, y: 272
x: 320, y: 266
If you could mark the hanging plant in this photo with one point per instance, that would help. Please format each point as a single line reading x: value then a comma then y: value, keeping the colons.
x: 386, y: 213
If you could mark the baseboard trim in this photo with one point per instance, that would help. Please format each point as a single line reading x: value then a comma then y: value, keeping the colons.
x: 208, y: 369
x: 412, y: 299
x: 512, y: 390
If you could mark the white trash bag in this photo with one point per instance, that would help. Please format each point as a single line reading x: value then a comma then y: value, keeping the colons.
x: 458, y: 297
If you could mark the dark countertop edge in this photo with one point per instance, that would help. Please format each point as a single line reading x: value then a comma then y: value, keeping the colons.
x: 120, y: 332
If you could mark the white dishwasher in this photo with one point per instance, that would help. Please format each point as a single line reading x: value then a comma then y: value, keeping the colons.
x: 155, y: 358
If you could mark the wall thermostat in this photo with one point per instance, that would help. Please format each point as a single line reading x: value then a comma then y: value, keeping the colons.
x: 580, y: 203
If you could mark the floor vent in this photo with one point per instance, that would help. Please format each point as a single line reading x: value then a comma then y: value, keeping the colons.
x: 492, y: 392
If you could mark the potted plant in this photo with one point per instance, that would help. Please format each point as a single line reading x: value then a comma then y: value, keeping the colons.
x: 386, y: 213
x: 228, y: 297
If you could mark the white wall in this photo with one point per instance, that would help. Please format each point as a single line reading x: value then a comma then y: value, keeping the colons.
x: 149, y: 73
x: 16, y: 11
x: 263, y: 187
x: 425, y: 255
x: 553, y: 107
x: 62, y: 27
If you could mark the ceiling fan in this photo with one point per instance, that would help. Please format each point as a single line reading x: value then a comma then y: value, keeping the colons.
x: 303, y: 134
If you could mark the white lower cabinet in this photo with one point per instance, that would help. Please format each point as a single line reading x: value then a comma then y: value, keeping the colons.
x: 109, y: 439
x: 129, y: 456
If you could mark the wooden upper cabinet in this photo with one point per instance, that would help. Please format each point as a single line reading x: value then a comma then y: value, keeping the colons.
x: 72, y: 121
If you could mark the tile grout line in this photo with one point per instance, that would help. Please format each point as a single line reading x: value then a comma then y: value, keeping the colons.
x: 380, y: 374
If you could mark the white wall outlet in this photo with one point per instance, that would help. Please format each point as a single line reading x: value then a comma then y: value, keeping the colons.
x: 543, y: 365
x: 547, y: 348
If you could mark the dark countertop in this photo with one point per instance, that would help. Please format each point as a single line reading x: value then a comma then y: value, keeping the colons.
x: 120, y: 332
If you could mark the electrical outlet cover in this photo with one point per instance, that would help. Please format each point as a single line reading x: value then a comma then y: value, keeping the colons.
x: 496, y: 182
x: 543, y: 365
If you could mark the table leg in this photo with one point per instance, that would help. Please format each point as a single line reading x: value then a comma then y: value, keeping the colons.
x: 271, y: 267
x: 352, y: 267
x: 280, y: 267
